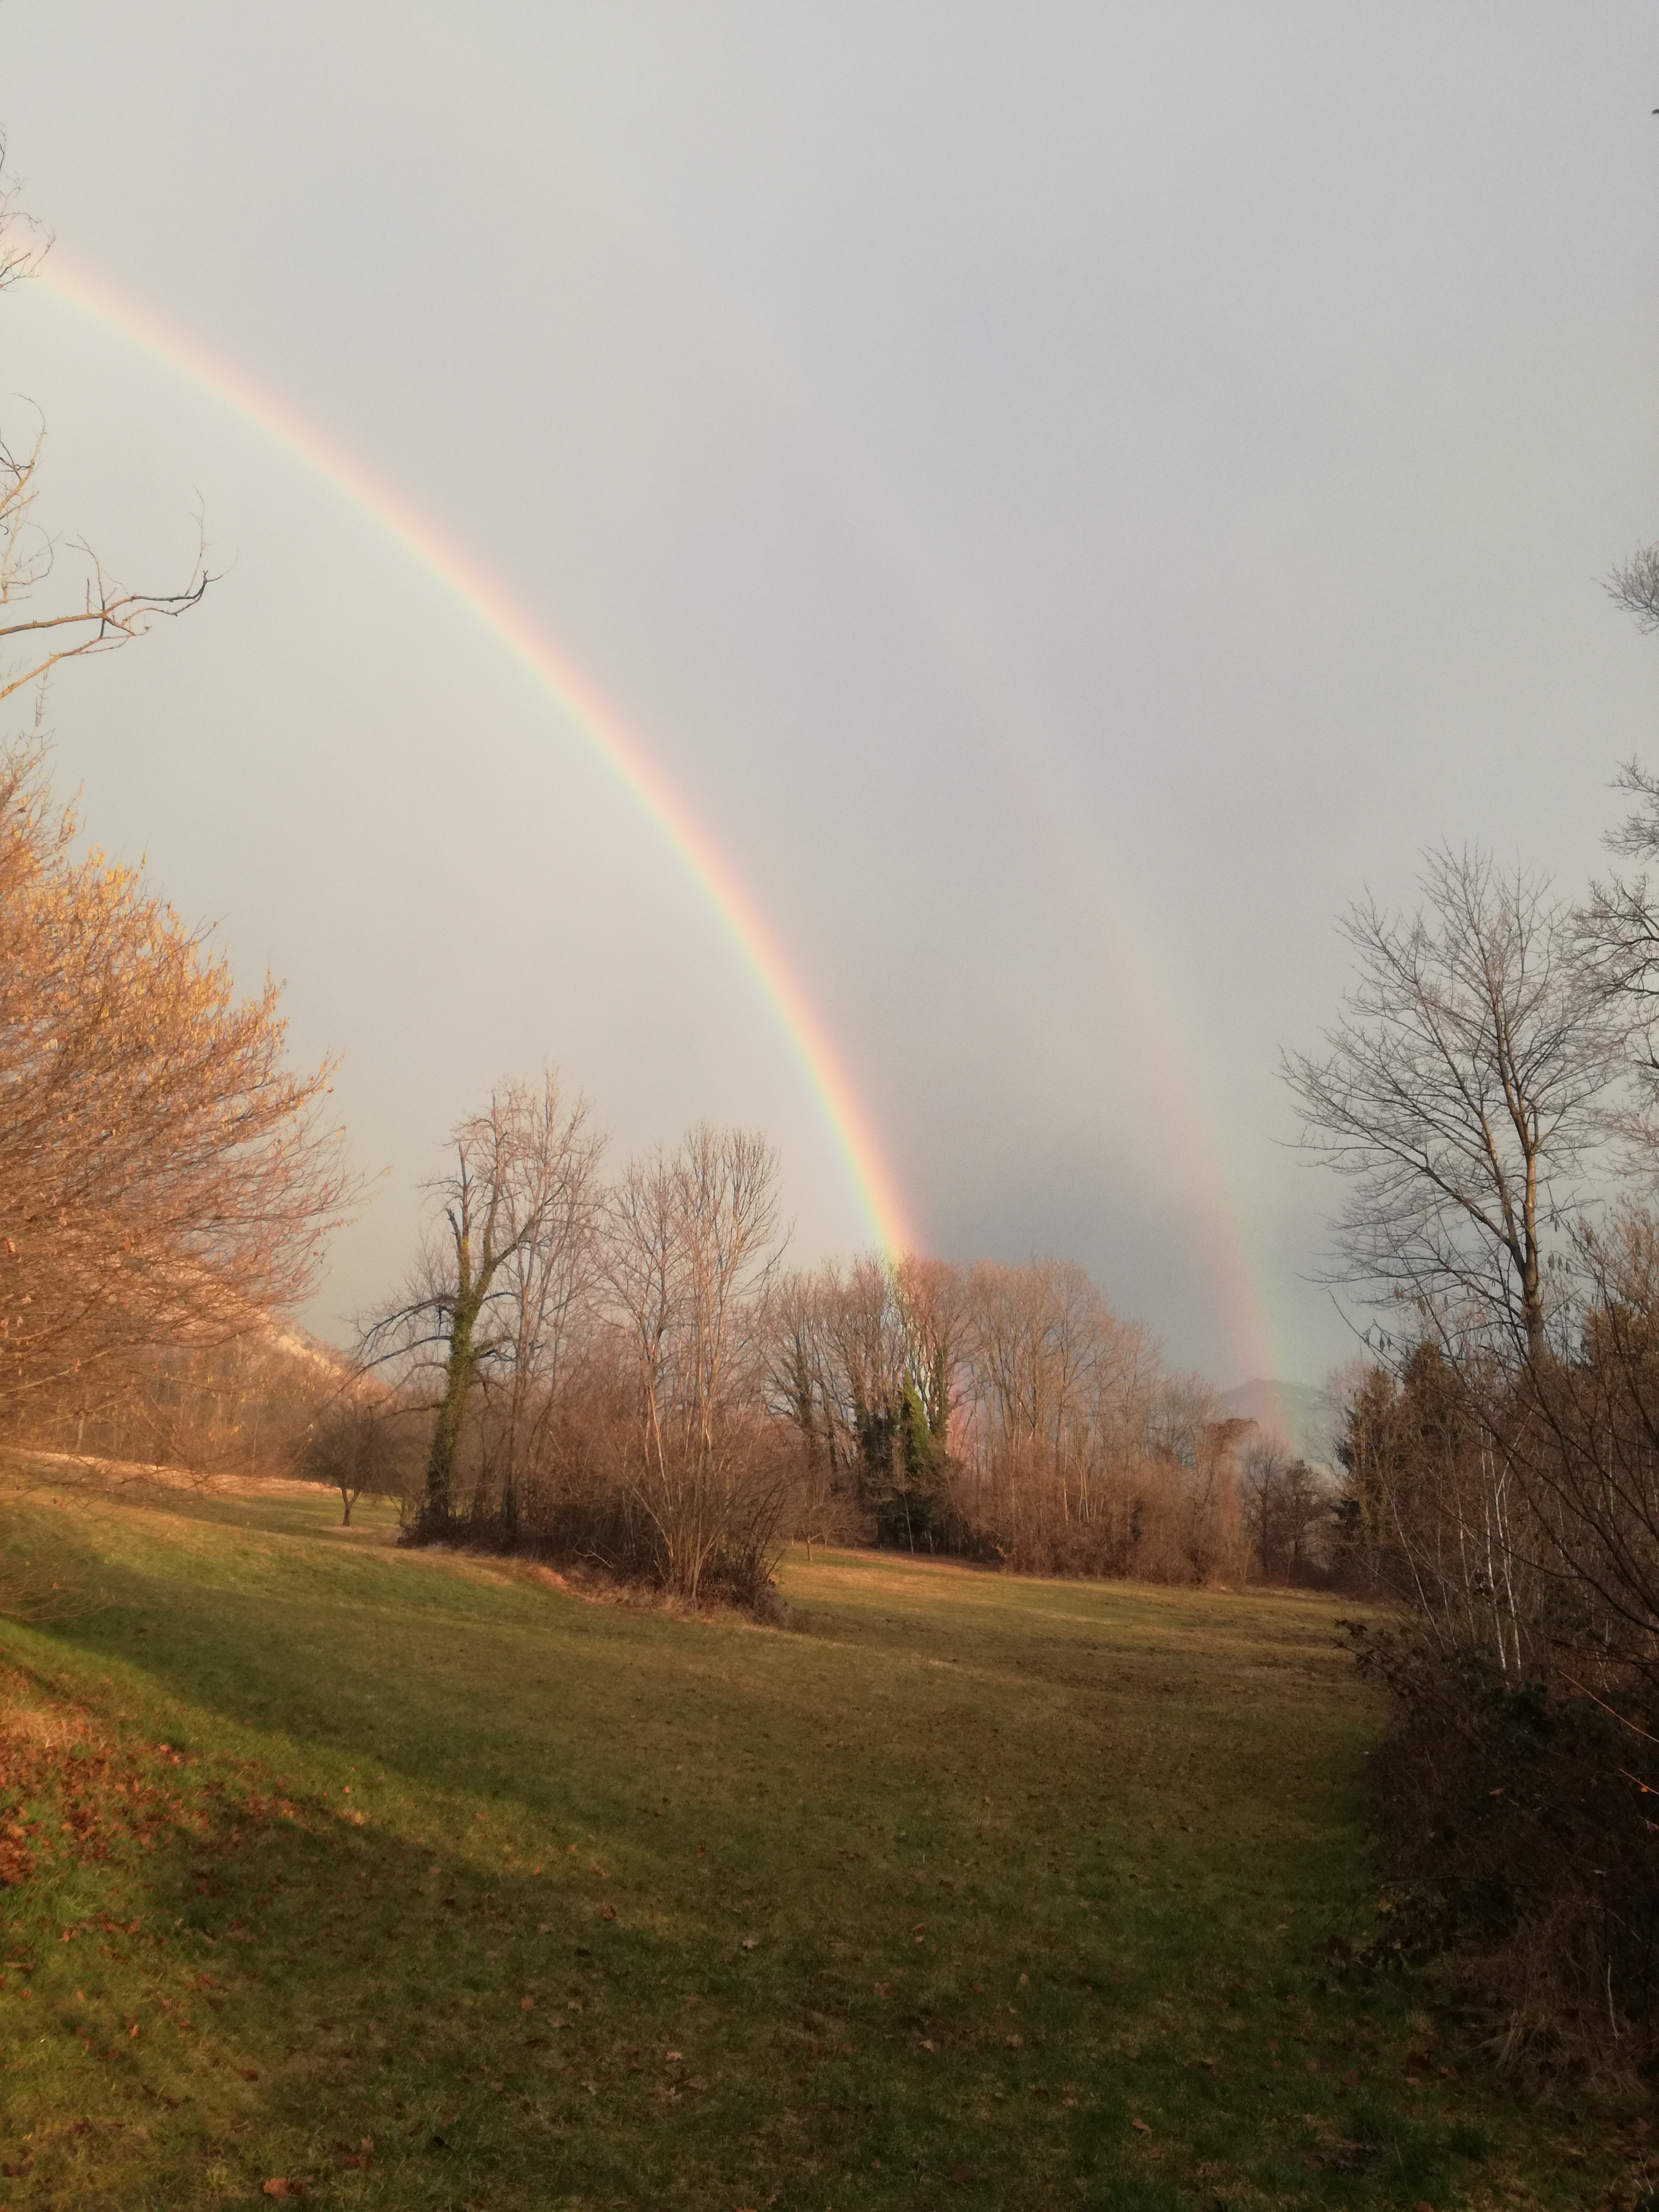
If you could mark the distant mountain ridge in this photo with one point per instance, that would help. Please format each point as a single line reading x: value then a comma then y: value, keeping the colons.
x: 1304, y: 1420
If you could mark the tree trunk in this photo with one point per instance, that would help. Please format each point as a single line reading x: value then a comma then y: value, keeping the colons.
x: 459, y: 1372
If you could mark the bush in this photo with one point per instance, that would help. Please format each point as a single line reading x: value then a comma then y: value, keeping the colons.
x: 1515, y: 1812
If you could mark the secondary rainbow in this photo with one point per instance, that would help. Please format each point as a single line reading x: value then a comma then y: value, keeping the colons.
x: 578, y: 698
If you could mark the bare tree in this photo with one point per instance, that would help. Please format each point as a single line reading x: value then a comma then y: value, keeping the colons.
x: 726, y: 1184
x: 360, y: 1444
x: 23, y: 238
x: 692, y: 1256
x: 799, y: 1393
x: 501, y: 1277
x: 1634, y: 585
x: 1619, y: 936
x: 1263, y: 1465
x: 1464, y: 1095
x: 549, y: 1283
x: 100, y: 613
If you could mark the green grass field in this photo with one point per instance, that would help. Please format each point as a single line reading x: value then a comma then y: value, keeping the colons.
x: 414, y: 1881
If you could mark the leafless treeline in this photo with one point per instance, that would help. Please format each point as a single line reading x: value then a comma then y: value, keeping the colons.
x: 1005, y: 1411
x: 620, y: 1367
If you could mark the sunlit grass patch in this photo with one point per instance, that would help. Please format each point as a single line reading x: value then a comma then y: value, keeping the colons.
x: 409, y: 1879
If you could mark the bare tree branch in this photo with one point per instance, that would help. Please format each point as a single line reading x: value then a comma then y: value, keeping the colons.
x: 1465, y: 1094
x: 1635, y: 586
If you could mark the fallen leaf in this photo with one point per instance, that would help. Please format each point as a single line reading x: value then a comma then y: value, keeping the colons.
x: 249, y: 2073
x: 527, y: 2005
x: 750, y: 1942
x: 1018, y: 2043
x: 1140, y: 2127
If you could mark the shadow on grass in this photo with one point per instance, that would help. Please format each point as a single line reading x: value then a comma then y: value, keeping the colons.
x: 228, y: 1985
x: 476, y: 1944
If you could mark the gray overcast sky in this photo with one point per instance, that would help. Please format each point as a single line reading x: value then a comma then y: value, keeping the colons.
x: 1070, y: 494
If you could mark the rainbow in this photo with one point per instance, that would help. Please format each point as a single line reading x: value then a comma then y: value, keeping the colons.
x: 572, y: 691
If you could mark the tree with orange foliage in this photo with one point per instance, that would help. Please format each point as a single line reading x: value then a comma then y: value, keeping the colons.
x: 164, y: 1177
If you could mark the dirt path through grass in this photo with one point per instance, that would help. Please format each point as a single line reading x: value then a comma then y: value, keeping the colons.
x: 410, y: 1880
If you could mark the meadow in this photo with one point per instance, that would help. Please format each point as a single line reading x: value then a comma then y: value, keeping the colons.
x: 410, y: 1880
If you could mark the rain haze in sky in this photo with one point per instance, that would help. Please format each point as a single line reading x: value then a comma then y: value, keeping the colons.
x: 1066, y: 495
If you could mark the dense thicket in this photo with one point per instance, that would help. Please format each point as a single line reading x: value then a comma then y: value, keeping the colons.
x: 1511, y: 1512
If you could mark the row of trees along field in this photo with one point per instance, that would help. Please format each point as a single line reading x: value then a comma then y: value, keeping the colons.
x: 622, y: 1369
x: 1491, y: 1099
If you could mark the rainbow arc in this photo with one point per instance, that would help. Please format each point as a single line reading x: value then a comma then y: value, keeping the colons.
x: 578, y: 698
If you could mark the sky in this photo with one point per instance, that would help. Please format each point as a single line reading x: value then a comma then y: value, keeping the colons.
x: 1064, y: 498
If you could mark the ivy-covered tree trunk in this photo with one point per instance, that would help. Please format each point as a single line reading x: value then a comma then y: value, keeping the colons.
x: 461, y: 1371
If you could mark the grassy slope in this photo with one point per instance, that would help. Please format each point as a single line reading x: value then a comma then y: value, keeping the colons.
x: 974, y: 1891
